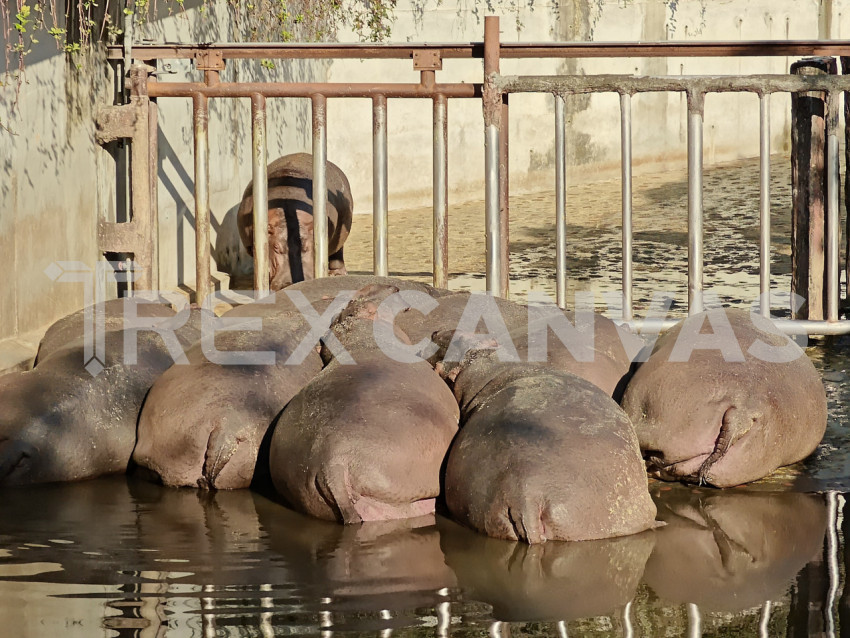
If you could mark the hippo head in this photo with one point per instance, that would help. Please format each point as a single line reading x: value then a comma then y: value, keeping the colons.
x: 290, y: 244
x: 456, y: 349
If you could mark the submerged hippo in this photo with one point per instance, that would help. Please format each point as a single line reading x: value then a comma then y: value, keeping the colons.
x: 203, y: 423
x: 60, y: 423
x: 290, y: 191
x: 725, y: 403
x: 364, y: 440
x: 541, y: 455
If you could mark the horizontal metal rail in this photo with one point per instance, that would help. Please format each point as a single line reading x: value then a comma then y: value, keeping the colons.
x: 578, y: 84
x: 696, y: 87
x: 276, y: 50
x: 308, y: 90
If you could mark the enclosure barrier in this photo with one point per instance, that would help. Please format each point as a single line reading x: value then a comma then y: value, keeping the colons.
x: 145, y: 89
x: 696, y: 88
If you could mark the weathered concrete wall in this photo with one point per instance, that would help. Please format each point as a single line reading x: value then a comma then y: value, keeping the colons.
x: 49, y: 184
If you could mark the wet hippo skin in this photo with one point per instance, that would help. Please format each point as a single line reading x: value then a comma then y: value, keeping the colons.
x: 724, y: 415
x: 59, y: 423
x: 203, y: 423
x: 541, y: 455
x: 366, y: 441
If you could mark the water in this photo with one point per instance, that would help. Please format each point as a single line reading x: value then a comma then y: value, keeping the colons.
x: 121, y: 557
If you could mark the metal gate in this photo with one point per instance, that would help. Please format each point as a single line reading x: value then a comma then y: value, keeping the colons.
x: 138, y: 121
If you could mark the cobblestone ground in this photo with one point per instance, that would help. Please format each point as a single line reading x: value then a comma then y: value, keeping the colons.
x: 660, y: 211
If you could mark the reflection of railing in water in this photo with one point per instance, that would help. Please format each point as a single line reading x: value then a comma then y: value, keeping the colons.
x: 494, y: 91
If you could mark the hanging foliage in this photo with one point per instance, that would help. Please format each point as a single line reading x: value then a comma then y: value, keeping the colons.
x: 77, y: 25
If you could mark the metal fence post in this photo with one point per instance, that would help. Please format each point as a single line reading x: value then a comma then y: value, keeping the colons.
x: 492, y: 152
x: 320, y: 188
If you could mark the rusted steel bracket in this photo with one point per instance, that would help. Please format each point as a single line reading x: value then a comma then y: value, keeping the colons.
x: 427, y: 61
x: 209, y: 60
x: 138, y: 236
x: 115, y: 123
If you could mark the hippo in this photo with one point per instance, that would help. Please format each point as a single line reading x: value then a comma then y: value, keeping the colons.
x: 60, y: 423
x: 545, y: 583
x: 729, y: 551
x: 541, y: 455
x: 364, y: 442
x: 203, y: 423
x: 725, y: 407
x: 600, y: 352
x: 71, y: 328
x: 290, y: 192
x: 320, y: 293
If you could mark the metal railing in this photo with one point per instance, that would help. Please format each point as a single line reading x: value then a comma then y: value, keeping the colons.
x: 494, y: 92
x: 696, y: 88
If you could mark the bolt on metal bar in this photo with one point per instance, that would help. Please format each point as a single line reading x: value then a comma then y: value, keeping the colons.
x: 380, y: 219
x: 626, y: 170
x: 833, y: 213
x: 764, y: 203
x: 695, y: 211
x: 560, y: 202
x: 441, y: 192
x: 320, y: 187
x: 259, y: 160
x: 202, y: 198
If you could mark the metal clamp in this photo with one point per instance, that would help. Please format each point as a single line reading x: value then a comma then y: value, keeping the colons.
x: 209, y: 61
x: 427, y: 61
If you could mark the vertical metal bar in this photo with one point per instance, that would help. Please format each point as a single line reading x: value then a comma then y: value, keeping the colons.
x: 626, y: 170
x: 560, y: 202
x: 153, y: 174
x: 141, y: 180
x: 379, y: 185
x: 764, y: 203
x: 832, y: 549
x: 260, y: 195
x: 833, y: 182
x: 504, y: 201
x: 441, y: 192
x: 764, y: 620
x: 320, y: 188
x: 202, y: 198
x: 695, y: 213
x: 492, y: 152
x: 694, y: 621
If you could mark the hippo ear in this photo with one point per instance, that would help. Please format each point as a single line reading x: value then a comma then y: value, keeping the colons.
x: 367, y: 300
x: 447, y: 371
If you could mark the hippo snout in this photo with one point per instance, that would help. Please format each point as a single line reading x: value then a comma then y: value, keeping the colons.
x: 14, y: 456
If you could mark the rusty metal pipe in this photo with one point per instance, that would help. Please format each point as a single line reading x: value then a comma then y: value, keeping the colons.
x: 833, y: 185
x: 380, y: 215
x: 441, y: 192
x: 202, y: 199
x: 259, y: 164
x: 320, y: 187
x: 492, y: 152
x: 231, y: 51
x: 307, y: 90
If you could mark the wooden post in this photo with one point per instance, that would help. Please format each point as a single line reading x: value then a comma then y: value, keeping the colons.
x: 808, y: 191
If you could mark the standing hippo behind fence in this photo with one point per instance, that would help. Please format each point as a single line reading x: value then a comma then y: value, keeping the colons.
x: 290, y: 188
x: 728, y: 405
